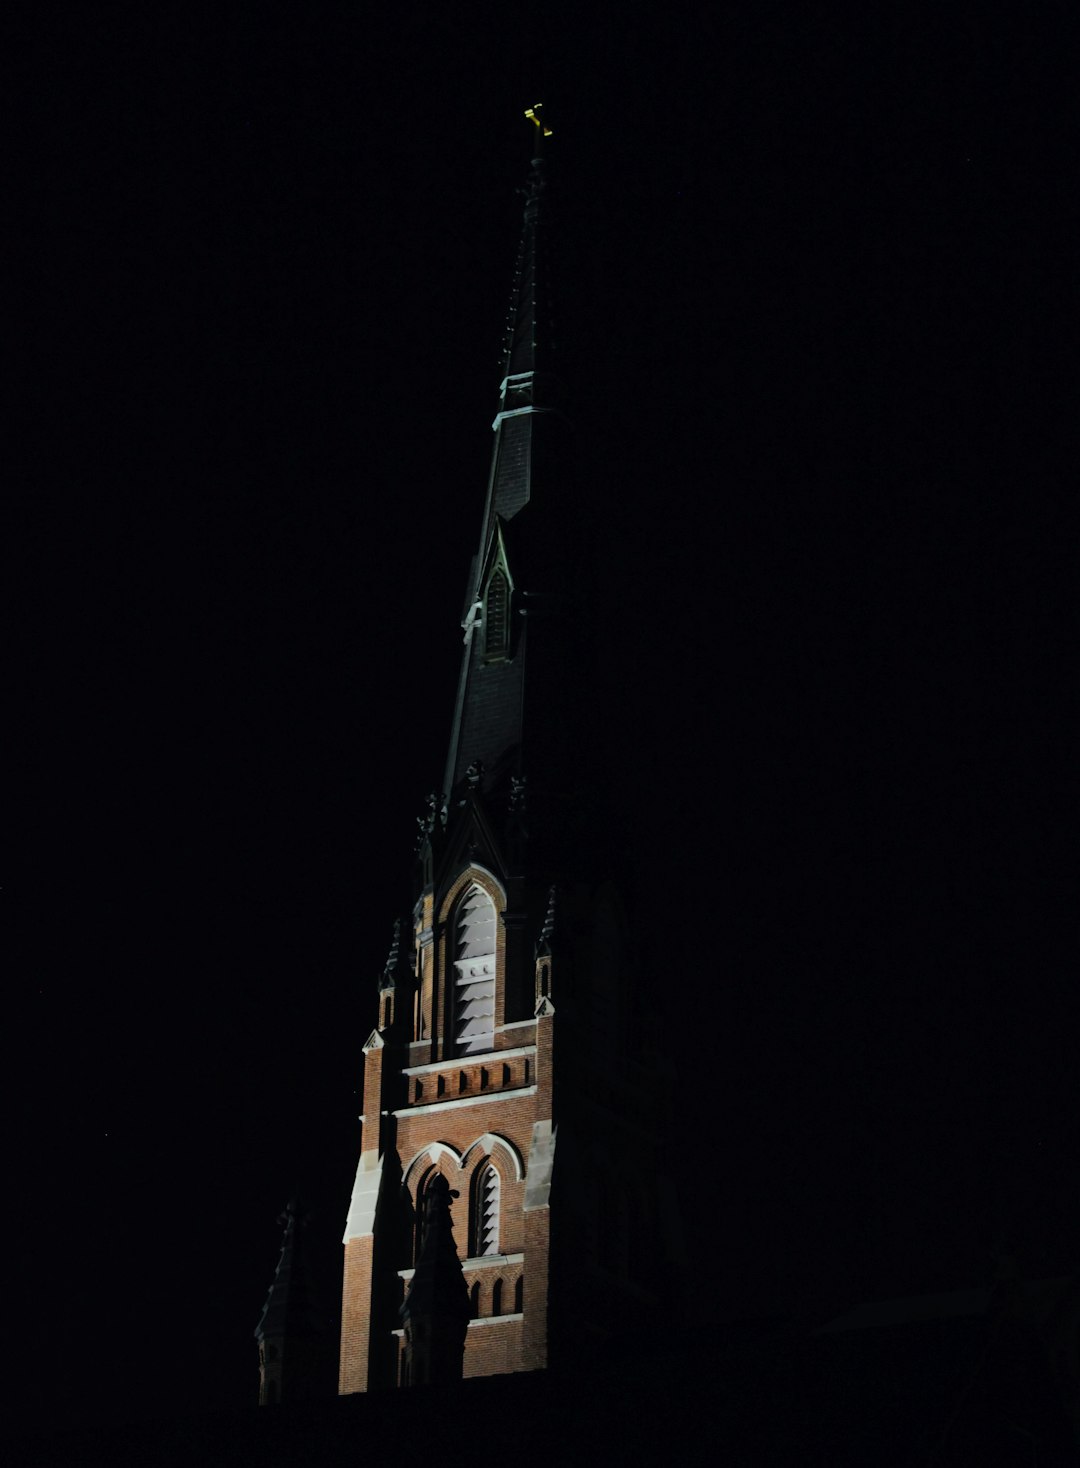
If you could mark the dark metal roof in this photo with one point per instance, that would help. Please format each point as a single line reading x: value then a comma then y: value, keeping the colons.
x: 438, y: 1288
x: 290, y: 1308
x: 487, y: 724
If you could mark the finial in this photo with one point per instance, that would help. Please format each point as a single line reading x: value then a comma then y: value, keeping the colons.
x: 543, y: 943
x: 533, y: 114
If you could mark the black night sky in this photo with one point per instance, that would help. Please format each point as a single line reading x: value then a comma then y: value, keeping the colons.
x: 810, y: 270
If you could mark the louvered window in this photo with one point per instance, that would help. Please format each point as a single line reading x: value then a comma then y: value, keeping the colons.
x: 497, y: 617
x: 485, y: 1211
x: 474, y: 973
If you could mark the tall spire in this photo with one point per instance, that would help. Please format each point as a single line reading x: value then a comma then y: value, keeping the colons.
x: 488, y: 712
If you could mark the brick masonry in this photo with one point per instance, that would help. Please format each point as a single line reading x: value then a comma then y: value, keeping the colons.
x: 453, y: 1116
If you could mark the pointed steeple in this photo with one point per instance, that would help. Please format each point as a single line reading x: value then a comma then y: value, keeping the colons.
x: 487, y: 725
x: 471, y: 1073
x: 528, y: 384
x: 290, y: 1331
x: 436, y: 1309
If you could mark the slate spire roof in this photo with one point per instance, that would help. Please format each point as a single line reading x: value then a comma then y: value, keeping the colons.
x: 437, y: 1289
x: 290, y: 1307
x: 487, y: 724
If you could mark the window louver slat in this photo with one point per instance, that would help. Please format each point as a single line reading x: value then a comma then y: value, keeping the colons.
x: 496, y: 620
x: 488, y: 1233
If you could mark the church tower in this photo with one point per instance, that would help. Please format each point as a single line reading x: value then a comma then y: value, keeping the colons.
x: 512, y: 1113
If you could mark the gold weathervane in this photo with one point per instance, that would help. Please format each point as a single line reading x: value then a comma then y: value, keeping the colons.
x: 533, y: 114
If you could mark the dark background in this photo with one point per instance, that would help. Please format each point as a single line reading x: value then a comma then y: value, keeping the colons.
x: 811, y: 272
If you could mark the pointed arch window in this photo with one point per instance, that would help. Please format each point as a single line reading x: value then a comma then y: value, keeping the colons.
x: 497, y: 616
x: 486, y: 1192
x: 419, y: 1211
x: 474, y: 973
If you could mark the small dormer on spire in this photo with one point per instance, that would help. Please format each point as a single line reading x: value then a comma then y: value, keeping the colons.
x: 496, y: 600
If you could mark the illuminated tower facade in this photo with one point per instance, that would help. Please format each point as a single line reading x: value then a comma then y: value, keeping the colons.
x: 508, y: 1069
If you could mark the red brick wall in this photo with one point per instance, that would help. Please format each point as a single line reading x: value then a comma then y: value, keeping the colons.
x: 491, y: 1350
x: 509, y: 1345
x: 353, y: 1370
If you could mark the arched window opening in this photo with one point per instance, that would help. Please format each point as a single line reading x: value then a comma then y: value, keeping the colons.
x: 519, y: 1295
x: 485, y: 1211
x: 474, y: 1300
x: 496, y: 1297
x: 418, y: 1211
x: 497, y: 617
x: 474, y: 973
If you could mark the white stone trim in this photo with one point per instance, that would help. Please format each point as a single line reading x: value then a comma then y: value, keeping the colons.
x: 484, y: 1320
x: 463, y: 1060
x: 516, y: 413
x: 516, y: 1024
x: 494, y: 1260
x: 472, y: 619
x: 443, y: 915
x: 489, y: 1141
x: 365, y: 1197
x: 541, y: 1165
x: 427, y: 1108
x: 436, y: 1151
x: 485, y: 1261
